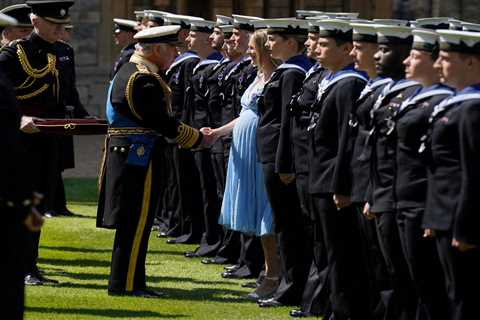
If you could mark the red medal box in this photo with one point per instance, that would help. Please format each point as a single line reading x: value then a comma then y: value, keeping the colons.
x: 72, y: 126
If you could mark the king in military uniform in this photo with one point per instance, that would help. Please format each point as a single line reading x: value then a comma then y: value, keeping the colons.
x: 139, y: 116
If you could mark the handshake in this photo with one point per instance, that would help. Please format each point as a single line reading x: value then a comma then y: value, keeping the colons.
x: 210, y: 136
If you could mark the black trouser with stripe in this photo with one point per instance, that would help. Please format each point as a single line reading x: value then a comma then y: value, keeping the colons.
x: 143, y: 185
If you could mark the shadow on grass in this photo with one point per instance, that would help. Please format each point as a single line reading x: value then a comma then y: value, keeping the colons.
x: 150, y: 279
x: 75, y: 262
x: 222, y: 295
x: 93, y: 250
x: 108, y: 313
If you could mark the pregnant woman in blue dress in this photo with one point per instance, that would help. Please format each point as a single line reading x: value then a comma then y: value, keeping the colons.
x: 245, y: 205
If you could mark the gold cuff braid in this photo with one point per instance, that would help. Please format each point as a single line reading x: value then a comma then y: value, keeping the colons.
x: 187, y: 136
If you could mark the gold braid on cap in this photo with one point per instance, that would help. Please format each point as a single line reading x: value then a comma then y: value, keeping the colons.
x: 34, y: 74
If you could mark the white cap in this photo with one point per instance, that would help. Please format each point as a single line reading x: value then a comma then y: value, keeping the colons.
x: 162, y: 34
x: 244, y: 22
x: 467, y: 26
x: 425, y: 40
x: 364, y: 32
x: 180, y: 20
x: 203, y: 26
x: 303, y: 14
x: 455, y: 24
x: 7, y: 20
x: 388, y: 34
x: 459, y: 41
x: 224, y: 20
x: 335, y: 28
x: 391, y: 22
x: 124, y: 25
x: 286, y: 25
x: 352, y: 15
x: 155, y: 15
x: 432, y: 23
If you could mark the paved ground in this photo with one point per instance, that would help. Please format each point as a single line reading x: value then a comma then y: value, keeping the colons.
x: 88, y: 154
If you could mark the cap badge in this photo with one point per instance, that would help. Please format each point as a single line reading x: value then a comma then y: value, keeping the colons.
x: 63, y: 12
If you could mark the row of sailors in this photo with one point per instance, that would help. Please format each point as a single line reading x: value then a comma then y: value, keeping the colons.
x: 370, y: 169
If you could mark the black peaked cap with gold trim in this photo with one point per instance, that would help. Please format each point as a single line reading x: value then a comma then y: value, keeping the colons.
x: 55, y: 11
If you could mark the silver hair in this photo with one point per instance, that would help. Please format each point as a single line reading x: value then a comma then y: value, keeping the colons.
x: 144, y: 48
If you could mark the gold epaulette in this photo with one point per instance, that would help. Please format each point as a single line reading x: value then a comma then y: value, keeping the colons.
x: 187, y: 136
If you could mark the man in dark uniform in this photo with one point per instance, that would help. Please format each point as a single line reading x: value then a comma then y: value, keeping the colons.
x: 74, y: 108
x: 198, y: 115
x: 31, y: 65
x: 329, y: 175
x: 394, y: 47
x: 451, y: 213
x: 16, y: 198
x: 185, y: 223
x: 230, y: 247
x: 22, y: 29
x: 139, y: 116
x: 123, y: 32
x: 315, y: 294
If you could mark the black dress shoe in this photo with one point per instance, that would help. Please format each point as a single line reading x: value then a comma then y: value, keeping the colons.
x: 32, y: 280
x: 269, y: 303
x: 190, y: 254
x: 162, y: 234
x: 295, y: 313
x: 232, y: 275
x: 232, y: 268
x: 211, y: 261
x: 171, y: 241
x: 251, y: 285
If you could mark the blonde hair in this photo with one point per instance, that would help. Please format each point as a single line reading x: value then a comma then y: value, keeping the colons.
x: 260, y: 38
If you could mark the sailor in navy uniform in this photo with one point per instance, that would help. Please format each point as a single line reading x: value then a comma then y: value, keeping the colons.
x: 139, y: 116
x: 364, y: 47
x: 411, y: 175
x: 452, y: 147
x: 123, y: 33
x: 198, y: 114
x: 329, y: 164
x: 185, y: 223
x: 285, y: 41
x: 31, y: 64
x: 22, y: 29
x: 315, y: 294
x: 394, y: 47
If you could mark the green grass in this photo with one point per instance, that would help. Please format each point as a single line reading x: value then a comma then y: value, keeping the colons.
x: 77, y: 254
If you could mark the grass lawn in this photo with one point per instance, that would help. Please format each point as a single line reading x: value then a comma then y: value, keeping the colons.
x: 77, y: 254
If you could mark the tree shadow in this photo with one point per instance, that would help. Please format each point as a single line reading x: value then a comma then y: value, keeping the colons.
x: 94, y: 250
x: 75, y: 262
x: 108, y: 313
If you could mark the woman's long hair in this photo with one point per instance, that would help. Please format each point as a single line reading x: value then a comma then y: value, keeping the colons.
x: 261, y: 52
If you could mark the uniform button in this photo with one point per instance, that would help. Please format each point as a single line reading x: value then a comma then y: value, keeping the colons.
x: 122, y: 149
x: 115, y: 148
